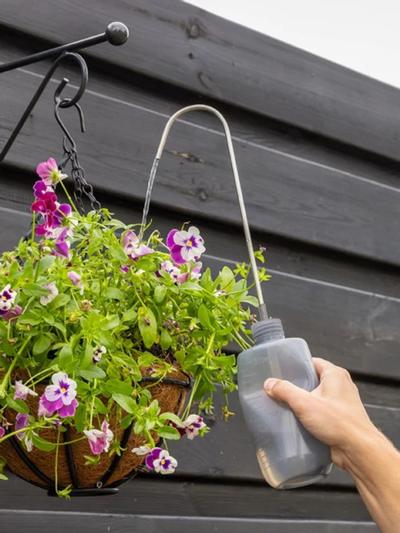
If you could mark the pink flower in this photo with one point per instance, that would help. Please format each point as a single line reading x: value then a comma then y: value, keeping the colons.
x: 99, y: 440
x: 175, y: 273
x: 22, y: 391
x: 7, y: 299
x: 184, y: 245
x: 191, y: 427
x: 49, y: 173
x: 22, y: 421
x: 132, y: 247
x: 2, y: 432
x: 75, y: 278
x: 161, y: 461
x: 60, y: 397
x: 12, y: 313
x: 52, y: 293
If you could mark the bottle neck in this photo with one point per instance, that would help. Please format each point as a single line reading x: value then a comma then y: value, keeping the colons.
x: 267, y: 330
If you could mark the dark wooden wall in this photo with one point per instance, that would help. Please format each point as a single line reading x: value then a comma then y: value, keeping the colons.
x: 318, y: 151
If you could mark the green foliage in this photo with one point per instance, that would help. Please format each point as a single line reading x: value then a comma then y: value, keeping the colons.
x: 146, y: 322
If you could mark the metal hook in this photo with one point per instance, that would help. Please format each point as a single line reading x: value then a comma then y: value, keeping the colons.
x: 200, y: 107
x: 59, y: 103
x: 65, y: 102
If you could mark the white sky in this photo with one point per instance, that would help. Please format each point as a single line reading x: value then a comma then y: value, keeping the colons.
x: 363, y: 35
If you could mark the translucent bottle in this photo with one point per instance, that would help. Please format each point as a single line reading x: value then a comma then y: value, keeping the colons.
x: 288, y: 455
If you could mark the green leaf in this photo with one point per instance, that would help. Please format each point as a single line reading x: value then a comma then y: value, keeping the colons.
x: 18, y: 405
x: 165, y: 339
x: 204, y: 317
x: 127, y: 403
x: 159, y: 293
x: 113, y: 293
x: 112, y: 322
x: 118, y: 253
x: 248, y: 299
x: 147, y: 326
x: 129, y: 316
x: 93, y: 372
x: 41, y: 344
x: 101, y: 408
x: 59, y: 301
x: 42, y: 444
x: 168, y: 432
x: 80, y: 418
x: 170, y: 416
x: 45, y: 263
x: 117, y: 386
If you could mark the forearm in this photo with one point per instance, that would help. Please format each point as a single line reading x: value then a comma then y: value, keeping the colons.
x: 374, y: 464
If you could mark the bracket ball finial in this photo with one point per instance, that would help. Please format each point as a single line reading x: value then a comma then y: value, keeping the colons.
x: 117, y: 33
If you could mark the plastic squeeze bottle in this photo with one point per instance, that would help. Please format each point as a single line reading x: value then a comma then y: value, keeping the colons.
x: 288, y: 455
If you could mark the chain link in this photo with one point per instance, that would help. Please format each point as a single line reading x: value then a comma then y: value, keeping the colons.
x: 81, y: 187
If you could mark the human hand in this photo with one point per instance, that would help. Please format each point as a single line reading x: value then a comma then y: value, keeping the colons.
x: 333, y: 412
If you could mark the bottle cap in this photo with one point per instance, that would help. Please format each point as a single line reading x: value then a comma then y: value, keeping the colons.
x: 266, y: 330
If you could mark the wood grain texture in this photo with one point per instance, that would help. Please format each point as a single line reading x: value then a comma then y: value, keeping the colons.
x: 287, y: 196
x: 195, y: 497
x: 188, y: 47
x: 38, y: 521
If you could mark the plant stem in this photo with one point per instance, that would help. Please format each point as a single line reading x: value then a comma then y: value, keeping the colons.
x: 68, y: 196
x: 7, y: 375
x: 56, y: 460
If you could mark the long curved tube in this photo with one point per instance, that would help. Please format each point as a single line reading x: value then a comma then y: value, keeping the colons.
x: 200, y: 107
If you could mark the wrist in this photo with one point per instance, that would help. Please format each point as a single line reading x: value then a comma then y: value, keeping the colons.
x: 363, y: 450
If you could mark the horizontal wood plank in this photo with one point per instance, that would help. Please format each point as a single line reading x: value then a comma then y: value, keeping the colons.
x: 191, y: 48
x: 38, y: 521
x: 172, y: 497
x: 289, y: 197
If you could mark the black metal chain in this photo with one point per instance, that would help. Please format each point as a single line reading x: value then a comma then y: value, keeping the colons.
x: 81, y: 186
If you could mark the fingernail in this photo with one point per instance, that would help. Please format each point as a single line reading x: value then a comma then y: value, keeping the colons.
x: 269, y: 384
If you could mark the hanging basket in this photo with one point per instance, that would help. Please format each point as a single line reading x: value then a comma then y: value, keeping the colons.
x: 38, y: 467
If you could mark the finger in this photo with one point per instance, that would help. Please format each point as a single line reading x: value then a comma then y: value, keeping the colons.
x: 284, y: 391
x: 322, y: 366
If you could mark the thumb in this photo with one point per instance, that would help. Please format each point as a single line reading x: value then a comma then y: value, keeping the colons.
x: 284, y: 391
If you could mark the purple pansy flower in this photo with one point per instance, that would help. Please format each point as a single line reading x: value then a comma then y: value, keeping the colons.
x: 52, y: 293
x: 22, y: 391
x: 2, y: 432
x: 185, y: 245
x: 12, y: 313
x: 98, y: 353
x: 60, y: 397
x: 62, y: 245
x: 21, y: 421
x: 175, y: 273
x: 49, y: 173
x: 75, y: 278
x: 132, y: 246
x: 40, y: 189
x: 7, y: 299
x: 193, y: 425
x: 99, y: 440
x: 161, y: 461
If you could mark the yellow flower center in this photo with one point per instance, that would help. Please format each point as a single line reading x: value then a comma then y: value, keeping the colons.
x: 63, y: 390
x: 4, y: 298
x: 189, y: 243
x: 163, y: 461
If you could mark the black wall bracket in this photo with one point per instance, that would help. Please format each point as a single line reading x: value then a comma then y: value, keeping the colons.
x: 116, y: 34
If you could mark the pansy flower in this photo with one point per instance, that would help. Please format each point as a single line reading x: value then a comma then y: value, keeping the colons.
x: 52, y: 293
x: 99, y: 440
x: 2, y: 432
x: 192, y: 426
x: 132, y: 246
x: 7, y: 299
x: 60, y: 397
x: 161, y: 461
x: 49, y: 173
x: 75, y: 278
x: 21, y: 391
x: 98, y: 353
x: 185, y: 245
x: 22, y: 421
